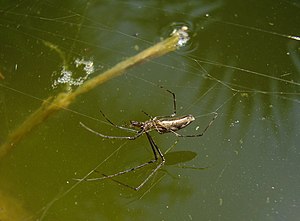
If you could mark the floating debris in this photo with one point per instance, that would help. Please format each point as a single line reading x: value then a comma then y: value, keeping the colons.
x: 183, y: 35
x: 70, y: 78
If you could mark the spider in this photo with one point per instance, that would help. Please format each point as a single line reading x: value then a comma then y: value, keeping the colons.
x: 161, y: 124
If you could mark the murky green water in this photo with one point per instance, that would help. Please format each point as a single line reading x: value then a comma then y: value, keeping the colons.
x: 242, y: 62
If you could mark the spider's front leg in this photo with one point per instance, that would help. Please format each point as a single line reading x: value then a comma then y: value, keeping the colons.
x: 138, y: 134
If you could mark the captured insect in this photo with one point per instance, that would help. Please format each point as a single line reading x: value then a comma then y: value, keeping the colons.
x: 161, y: 124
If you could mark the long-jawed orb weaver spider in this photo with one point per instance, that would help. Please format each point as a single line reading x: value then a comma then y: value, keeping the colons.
x: 161, y: 124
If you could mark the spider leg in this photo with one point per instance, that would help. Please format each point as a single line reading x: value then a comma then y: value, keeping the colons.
x: 155, y: 150
x: 119, y: 173
x: 117, y: 126
x: 154, y: 147
x: 174, y: 106
x: 138, y: 133
x: 202, y: 133
x: 148, y: 115
x: 174, y: 103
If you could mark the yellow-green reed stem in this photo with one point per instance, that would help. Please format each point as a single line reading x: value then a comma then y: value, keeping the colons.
x: 62, y: 100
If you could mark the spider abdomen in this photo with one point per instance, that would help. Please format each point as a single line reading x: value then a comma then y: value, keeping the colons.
x: 165, y: 125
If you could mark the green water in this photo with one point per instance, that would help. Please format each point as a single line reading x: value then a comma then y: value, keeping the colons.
x: 242, y: 61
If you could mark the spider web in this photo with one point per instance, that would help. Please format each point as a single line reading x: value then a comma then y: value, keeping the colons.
x: 240, y: 62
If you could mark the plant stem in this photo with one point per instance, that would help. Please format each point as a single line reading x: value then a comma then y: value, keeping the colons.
x: 63, y: 100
